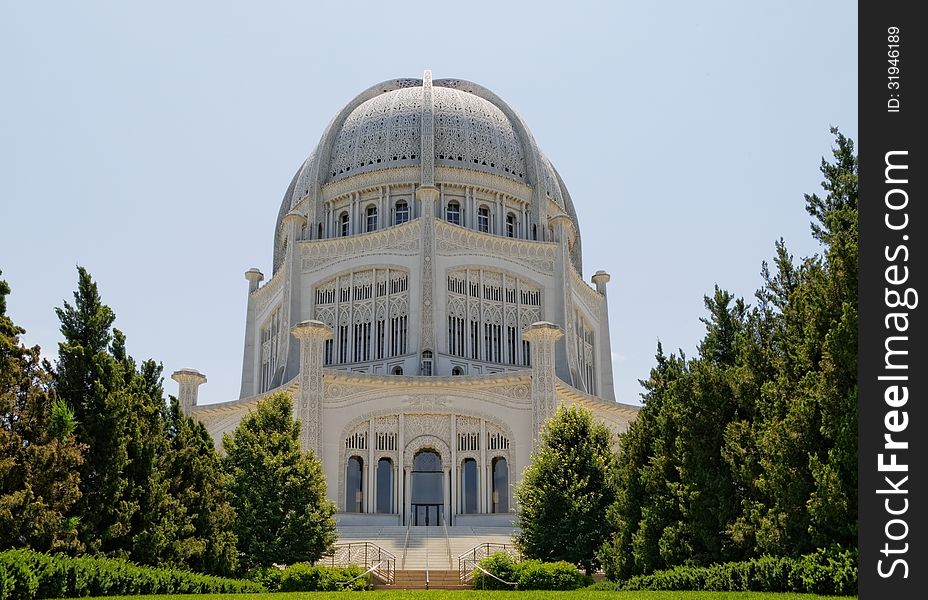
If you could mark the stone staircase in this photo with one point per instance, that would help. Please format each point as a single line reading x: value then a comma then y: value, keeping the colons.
x: 425, y: 550
x: 442, y: 579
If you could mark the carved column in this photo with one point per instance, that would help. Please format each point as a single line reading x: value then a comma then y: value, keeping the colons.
x: 249, y: 362
x: 308, y: 409
x: 189, y: 381
x: 542, y: 336
x: 291, y: 304
x: 603, y: 343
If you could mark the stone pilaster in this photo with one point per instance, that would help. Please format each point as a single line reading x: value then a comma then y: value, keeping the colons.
x: 542, y: 336
x: 189, y: 381
x: 308, y: 406
x: 427, y: 196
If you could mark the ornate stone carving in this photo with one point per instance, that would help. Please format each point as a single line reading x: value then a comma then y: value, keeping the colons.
x: 269, y: 294
x: 403, y: 240
x: 308, y: 409
x: 428, y: 424
x: 452, y: 240
x: 428, y: 132
x: 542, y: 336
x: 189, y: 380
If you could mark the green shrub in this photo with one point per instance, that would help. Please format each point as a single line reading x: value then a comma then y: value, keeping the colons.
x: 28, y: 575
x: 313, y: 578
x: 824, y: 572
x: 502, y: 566
x: 528, y: 575
x: 537, y: 575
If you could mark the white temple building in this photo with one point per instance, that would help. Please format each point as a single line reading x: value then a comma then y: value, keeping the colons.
x: 426, y: 309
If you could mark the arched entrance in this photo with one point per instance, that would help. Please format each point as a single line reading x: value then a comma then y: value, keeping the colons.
x: 428, y: 488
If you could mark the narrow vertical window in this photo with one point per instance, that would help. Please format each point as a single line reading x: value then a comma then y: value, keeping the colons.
x: 354, y: 487
x: 453, y: 213
x: 344, y: 224
x: 427, y: 363
x: 500, y: 485
x: 469, y: 486
x: 371, y: 218
x: 402, y: 212
x: 510, y: 225
x: 483, y: 219
x: 384, y: 486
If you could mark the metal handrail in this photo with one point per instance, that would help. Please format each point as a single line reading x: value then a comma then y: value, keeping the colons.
x: 366, y: 554
x: 426, y: 557
x: 514, y: 584
x: 444, y: 526
x: 352, y: 580
x: 470, y: 560
x: 406, y: 539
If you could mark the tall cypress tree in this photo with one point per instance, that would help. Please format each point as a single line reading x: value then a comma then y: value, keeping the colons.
x: 39, y: 455
x: 206, y: 541
x: 125, y: 509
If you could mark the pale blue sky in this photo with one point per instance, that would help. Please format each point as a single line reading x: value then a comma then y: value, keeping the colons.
x: 152, y: 142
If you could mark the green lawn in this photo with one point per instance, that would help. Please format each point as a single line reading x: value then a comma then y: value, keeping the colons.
x: 466, y: 595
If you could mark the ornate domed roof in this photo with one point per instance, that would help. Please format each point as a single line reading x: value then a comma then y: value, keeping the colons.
x: 382, y: 128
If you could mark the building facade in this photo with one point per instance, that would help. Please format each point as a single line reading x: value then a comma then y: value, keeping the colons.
x: 426, y: 308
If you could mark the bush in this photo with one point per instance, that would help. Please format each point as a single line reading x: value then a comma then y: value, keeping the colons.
x: 311, y: 578
x: 528, y: 575
x: 28, y: 575
x: 824, y: 572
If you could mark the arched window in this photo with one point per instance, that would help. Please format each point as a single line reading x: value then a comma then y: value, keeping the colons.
x: 397, y: 370
x: 344, y: 225
x: 469, y: 496
x: 457, y: 371
x: 510, y: 225
x: 319, y: 236
x: 402, y: 213
x: 371, y: 218
x: 453, y: 213
x: 427, y: 362
x: 500, y: 485
x: 354, y: 485
x: 384, y: 502
x: 483, y: 219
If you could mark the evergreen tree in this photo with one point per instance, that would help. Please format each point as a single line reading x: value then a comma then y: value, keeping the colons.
x: 206, y: 542
x: 125, y: 509
x: 566, y: 490
x: 278, y: 491
x: 750, y: 448
x: 39, y: 455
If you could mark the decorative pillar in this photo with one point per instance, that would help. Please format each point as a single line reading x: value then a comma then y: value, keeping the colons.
x: 482, y: 481
x: 371, y: 469
x: 427, y: 195
x: 249, y: 357
x: 566, y: 365
x: 542, y: 336
x: 308, y: 410
x: 453, y: 484
x: 291, y: 303
x: 602, y: 341
x: 189, y: 380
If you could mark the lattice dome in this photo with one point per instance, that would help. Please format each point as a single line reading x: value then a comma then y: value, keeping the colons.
x: 382, y: 129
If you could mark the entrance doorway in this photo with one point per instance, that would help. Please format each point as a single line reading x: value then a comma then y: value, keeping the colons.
x: 428, y: 489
